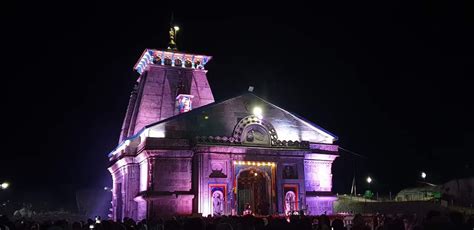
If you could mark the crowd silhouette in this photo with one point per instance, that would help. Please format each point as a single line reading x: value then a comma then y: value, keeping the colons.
x: 434, y: 220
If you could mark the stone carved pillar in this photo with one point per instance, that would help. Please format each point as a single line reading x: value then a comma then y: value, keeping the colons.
x: 117, y: 192
x: 203, y: 196
x: 131, y: 181
x: 143, y: 177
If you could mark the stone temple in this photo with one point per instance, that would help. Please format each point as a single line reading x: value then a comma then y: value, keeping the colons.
x: 182, y: 153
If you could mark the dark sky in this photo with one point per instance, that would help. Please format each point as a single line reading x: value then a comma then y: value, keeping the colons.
x: 392, y: 79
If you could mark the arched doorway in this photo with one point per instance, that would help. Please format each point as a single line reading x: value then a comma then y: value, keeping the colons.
x: 253, y: 188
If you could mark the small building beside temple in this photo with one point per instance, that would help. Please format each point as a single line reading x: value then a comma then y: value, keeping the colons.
x: 182, y: 153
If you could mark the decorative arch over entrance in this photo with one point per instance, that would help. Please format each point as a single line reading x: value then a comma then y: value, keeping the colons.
x: 253, y: 130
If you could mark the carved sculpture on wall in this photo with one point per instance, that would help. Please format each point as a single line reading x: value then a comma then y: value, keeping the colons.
x: 290, y: 202
x: 256, y: 134
x: 290, y: 198
x: 253, y: 130
x: 217, y: 174
x: 218, y: 203
x: 218, y: 169
x: 290, y: 172
x: 217, y: 199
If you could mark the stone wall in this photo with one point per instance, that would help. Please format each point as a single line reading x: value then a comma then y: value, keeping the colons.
x: 318, y: 175
x: 320, y: 205
x: 171, y: 205
x: 172, y: 175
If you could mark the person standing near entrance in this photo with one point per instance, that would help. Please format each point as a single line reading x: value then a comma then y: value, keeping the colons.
x: 247, y: 210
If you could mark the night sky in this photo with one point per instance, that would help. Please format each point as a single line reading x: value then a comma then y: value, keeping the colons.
x: 391, y: 79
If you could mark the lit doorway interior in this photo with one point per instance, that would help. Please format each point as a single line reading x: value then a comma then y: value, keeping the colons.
x: 253, y: 189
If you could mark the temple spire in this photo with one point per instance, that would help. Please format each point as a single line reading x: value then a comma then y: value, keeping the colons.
x: 173, y: 33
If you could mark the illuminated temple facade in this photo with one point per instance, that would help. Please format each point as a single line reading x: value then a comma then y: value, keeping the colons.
x: 182, y: 153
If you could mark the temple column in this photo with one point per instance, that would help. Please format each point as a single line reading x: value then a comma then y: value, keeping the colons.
x: 131, y: 183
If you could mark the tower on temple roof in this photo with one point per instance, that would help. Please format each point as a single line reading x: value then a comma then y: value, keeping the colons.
x: 169, y: 83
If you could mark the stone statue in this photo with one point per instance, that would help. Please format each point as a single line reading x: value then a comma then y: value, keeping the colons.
x: 290, y: 201
x: 218, y: 203
x: 255, y: 135
x: 250, y: 137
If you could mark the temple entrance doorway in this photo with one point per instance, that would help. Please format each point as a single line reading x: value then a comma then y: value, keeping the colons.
x: 253, y: 192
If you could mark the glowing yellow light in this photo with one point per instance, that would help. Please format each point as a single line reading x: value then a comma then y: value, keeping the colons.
x: 206, y: 117
x: 255, y: 174
x: 176, y: 28
x: 254, y: 163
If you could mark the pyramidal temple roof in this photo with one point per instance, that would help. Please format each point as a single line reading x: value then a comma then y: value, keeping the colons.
x: 249, y: 95
x: 222, y: 119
